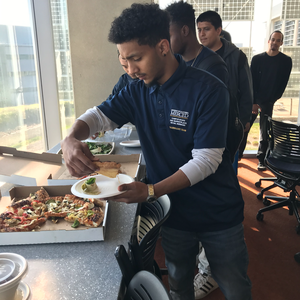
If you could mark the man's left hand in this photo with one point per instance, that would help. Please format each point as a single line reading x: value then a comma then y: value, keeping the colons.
x: 134, y: 192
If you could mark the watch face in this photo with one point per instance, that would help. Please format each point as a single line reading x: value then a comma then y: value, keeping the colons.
x: 151, y: 199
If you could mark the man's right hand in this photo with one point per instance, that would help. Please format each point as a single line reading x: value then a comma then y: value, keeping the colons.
x: 77, y: 156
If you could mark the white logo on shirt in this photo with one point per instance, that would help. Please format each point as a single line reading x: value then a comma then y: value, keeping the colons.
x: 178, y: 118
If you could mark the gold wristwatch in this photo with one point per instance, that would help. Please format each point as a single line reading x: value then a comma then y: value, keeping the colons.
x: 151, y: 197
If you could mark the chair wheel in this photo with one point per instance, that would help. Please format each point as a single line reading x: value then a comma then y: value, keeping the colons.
x: 259, y: 196
x: 266, y: 202
x: 258, y: 184
x: 259, y: 216
x: 298, y: 229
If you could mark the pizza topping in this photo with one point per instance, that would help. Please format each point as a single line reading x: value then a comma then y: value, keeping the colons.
x: 75, y: 224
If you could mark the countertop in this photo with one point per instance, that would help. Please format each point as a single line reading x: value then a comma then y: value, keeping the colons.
x: 81, y: 271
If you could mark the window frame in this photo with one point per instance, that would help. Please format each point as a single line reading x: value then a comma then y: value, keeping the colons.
x: 46, y: 69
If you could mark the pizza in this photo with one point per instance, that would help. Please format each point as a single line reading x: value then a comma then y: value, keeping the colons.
x: 30, y: 213
x: 108, y: 168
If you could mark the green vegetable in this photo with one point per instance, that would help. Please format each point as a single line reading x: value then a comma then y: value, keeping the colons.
x: 89, y: 213
x: 50, y: 201
x: 90, y: 180
x: 99, y: 148
x: 75, y: 224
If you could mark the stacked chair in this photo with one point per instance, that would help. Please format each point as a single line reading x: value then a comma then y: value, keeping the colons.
x: 146, y: 230
x: 146, y: 286
x: 283, y: 160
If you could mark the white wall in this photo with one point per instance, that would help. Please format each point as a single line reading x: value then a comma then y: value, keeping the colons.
x: 95, y: 66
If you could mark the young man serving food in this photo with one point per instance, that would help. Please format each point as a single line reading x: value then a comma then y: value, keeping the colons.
x: 181, y: 117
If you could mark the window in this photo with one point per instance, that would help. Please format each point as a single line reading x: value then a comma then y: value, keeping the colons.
x: 21, y: 123
x: 63, y: 63
x: 36, y: 104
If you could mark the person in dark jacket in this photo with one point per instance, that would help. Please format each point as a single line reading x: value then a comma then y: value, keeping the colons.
x: 270, y: 74
x: 184, y: 41
x: 209, y: 26
x: 225, y: 35
x: 125, y: 79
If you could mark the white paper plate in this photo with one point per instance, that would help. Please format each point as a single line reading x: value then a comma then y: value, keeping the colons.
x: 107, y: 186
x: 23, y: 291
x: 131, y: 143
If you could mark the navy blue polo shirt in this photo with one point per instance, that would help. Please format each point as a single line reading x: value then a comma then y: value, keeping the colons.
x: 189, y: 111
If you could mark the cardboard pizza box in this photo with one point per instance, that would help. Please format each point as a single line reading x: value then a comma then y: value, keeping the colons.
x: 130, y: 165
x: 27, y: 168
x: 61, y: 232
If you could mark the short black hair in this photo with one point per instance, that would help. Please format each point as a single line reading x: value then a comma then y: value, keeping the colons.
x: 277, y: 31
x: 211, y: 17
x: 145, y: 23
x: 182, y: 13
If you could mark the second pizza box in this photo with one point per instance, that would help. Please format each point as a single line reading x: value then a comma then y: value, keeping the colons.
x: 130, y: 165
x: 61, y: 232
x: 27, y: 168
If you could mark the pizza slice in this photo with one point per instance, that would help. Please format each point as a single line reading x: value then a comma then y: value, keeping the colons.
x: 108, y: 168
x: 56, y: 207
x: 11, y: 222
x: 95, y: 219
x: 88, y: 217
x: 41, y: 194
x: 19, y: 204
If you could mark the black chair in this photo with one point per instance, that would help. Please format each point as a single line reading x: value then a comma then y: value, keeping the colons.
x: 145, y: 233
x: 260, y: 195
x: 283, y: 160
x: 146, y: 286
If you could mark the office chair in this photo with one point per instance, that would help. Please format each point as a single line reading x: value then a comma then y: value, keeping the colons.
x: 283, y: 160
x: 260, y: 195
x: 146, y: 229
x: 146, y: 286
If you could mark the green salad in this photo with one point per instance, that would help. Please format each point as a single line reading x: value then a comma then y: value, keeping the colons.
x: 99, y: 148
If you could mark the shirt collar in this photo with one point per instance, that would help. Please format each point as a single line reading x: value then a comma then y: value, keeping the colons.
x: 171, y: 84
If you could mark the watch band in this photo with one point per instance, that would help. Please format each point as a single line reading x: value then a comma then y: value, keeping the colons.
x: 151, y: 197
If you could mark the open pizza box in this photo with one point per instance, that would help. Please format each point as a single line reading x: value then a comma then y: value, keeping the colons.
x: 61, y: 232
x: 27, y: 168
x: 130, y: 165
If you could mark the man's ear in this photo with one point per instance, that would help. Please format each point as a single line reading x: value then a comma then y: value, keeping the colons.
x: 185, y: 30
x: 164, y: 47
x: 219, y: 30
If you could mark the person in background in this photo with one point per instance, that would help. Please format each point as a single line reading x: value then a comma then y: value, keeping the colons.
x: 181, y: 115
x: 125, y: 79
x: 225, y: 35
x: 270, y: 75
x: 184, y: 41
x: 209, y: 26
